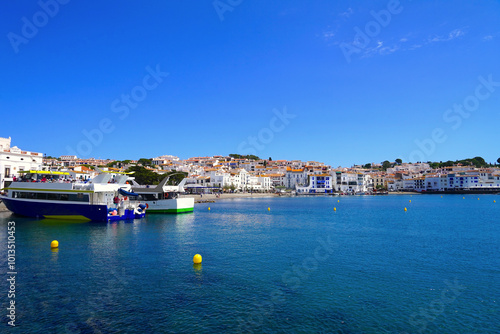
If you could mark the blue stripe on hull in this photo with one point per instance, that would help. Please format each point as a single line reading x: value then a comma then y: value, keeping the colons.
x: 40, y: 209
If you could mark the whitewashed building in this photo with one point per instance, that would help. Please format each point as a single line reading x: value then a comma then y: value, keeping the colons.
x: 347, y: 182
x: 318, y: 183
x: 295, y: 177
x: 164, y: 160
x: 13, y: 160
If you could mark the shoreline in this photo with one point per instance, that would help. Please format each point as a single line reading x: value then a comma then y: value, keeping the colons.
x: 213, y: 197
x: 3, y: 208
x: 207, y: 198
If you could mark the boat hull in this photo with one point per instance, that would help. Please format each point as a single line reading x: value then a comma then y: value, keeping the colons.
x: 54, y: 210
x: 178, y: 205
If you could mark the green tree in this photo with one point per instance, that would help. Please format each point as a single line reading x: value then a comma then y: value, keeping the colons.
x: 175, y: 177
x: 448, y: 163
x: 386, y: 164
x: 145, y: 162
x: 145, y: 176
x: 239, y: 156
x: 498, y: 161
x: 399, y: 161
x: 479, y: 162
x: 367, y: 166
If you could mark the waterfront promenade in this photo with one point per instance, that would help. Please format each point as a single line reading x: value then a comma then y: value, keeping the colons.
x: 213, y: 197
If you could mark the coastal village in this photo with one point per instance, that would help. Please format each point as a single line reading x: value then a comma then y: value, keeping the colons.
x: 234, y: 174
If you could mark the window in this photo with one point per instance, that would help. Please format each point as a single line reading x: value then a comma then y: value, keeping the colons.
x: 54, y: 197
x: 41, y: 196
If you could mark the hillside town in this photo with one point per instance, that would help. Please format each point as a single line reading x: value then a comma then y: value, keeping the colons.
x: 243, y: 174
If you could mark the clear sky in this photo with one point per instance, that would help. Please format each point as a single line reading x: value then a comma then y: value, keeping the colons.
x: 343, y: 82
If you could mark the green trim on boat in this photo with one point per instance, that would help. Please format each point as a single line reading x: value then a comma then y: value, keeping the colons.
x: 170, y: 210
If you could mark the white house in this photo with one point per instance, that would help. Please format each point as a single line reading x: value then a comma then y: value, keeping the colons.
x: 164, y: 160
x: 347, y: 182
x: 295, y: 177
x: 436, y: 182
x: 13, y: 160
x: 318, y: 183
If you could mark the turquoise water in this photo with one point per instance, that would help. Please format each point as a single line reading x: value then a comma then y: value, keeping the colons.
x: 369, y: 267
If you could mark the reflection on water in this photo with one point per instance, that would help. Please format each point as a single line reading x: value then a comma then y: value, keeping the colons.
x: 55, y: 254
x: 183, y: 222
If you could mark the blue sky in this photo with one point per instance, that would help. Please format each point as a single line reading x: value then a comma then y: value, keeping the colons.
x: 342, y: 82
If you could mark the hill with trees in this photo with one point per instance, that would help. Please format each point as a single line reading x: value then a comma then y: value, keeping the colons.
x: 145, y: 176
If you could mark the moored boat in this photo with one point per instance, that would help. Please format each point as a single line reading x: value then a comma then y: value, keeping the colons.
x: 164, y: 198
x: 100, y: 199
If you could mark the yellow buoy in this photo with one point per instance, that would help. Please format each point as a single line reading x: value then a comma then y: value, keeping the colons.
x: 54, y: 244
x: 208, y: 208
x: 410, y: 201
x: 406, y: 209
x: 334, y: 209
x: 478, y: 198
x: 463, y: 197
x: 494, y: 201
x: 441, y: 196
x: 197, y: 259
x: 338, y: 201
x: 268, y: 209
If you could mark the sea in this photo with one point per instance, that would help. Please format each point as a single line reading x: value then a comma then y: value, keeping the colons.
x: 336, y: 264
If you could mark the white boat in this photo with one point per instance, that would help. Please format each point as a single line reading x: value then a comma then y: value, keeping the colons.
x: 58, y: 197
x: 164, y: 198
